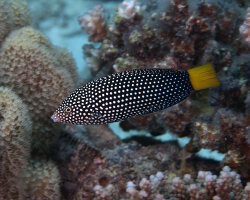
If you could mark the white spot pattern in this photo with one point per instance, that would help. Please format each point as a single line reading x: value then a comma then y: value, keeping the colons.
x: 126, y: 94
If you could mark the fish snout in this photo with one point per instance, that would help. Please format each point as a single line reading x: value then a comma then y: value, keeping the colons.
x: 55, y: 117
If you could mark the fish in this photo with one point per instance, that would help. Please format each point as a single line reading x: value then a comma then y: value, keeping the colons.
x: 137, y: 92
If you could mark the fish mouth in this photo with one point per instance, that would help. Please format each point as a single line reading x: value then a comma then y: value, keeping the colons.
x: 55, y: 117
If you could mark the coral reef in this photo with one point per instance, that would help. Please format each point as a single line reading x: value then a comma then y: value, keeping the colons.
x: 160, y: 187
x: 128, y: 9
x: 41, y: 160
x: 41, y: 180
x: 15, y: 139
x: 94, y: 24
x: 99, y: 163
x: 24, y: 50
x: 131, y: 171
x: 40, y: 74
x: 245, y: 27
x: 13, y: 15
x: 21, y: 177
x: 35, y: 77
x: 180, y: 34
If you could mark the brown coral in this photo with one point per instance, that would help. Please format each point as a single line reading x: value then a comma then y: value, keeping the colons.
x: 21, y: 15
x: 94, y: 24
x: 15, y: 130
x: 41, y: 181
x: 38, y: 72
x: 13, y: 15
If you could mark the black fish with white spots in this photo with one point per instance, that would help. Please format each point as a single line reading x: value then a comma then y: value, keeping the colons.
x: 132, y: 93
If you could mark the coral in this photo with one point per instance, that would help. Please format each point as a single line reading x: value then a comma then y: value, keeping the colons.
x: 41, y: 180
x: 13, y: 15
x: 5, y: 22
x: 39, y: 73
x: 148, y: 188
x: 94, y: 24
x: 104, y: 192
x: 206, y: 186
x: 35, y: 77
x: 97, y: 160
x: 92, y: 58
x: 28, y: 47
x: 125, y: 63
x: 247, y: 192
x: 21, y: 15
x: 92, y: 162
x: 177, y: 118
x: 206, y: 135
x: 245, y: 27
x: 128, y: 9
x: 79, y: 173
x: 180, y: 34
x: 15, y: 139
x: 66, y: 61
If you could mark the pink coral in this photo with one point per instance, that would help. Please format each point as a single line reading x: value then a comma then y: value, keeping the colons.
x: 94, y: 24
x: 245, y: 27
x: 225, y: 186
x: 148, y: 189
x: 128, y: 9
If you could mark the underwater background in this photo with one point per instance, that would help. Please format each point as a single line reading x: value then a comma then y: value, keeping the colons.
x: 198, y: 149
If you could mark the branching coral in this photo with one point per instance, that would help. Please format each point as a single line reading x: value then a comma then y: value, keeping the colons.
x: 160, y: 187
x: 148, y: 188
x: 180, y: 34
x: 128, y: 9
x: 41, y: 74
x: 13, y: 15
x: 245, y: 27
x: 94, y: 24
x: 15, y: 136
x: 115, y: 165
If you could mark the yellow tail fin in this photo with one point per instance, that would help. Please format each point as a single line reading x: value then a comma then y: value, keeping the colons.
x: 203, y: 77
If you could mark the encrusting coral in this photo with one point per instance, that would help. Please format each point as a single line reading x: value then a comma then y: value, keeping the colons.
x: 15, y: 139
x: 13, y: 15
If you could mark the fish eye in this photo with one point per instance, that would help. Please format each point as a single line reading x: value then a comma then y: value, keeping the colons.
x: 68, y: 109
